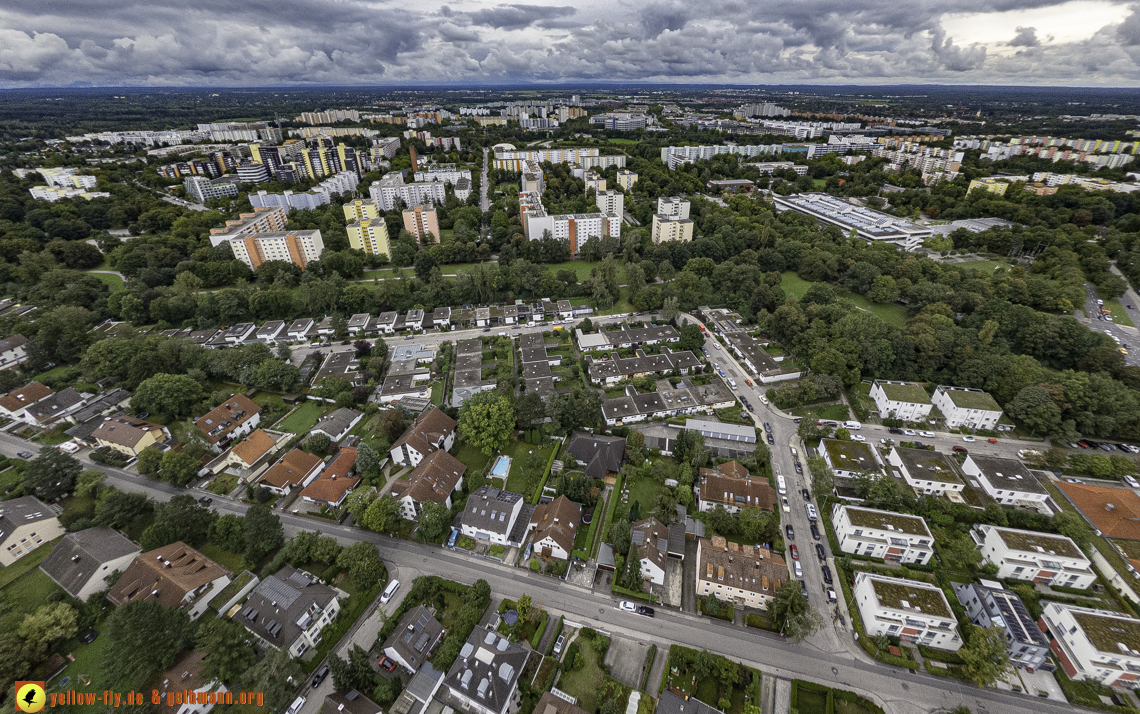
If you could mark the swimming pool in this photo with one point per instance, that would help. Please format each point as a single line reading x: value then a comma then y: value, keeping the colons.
x: 501, y: 467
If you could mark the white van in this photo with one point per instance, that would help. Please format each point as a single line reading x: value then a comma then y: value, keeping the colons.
x: 851, y: 425
x: 732, y: 382
x: 390, y: 591
x: 782, y: 484
x: 296, y: 705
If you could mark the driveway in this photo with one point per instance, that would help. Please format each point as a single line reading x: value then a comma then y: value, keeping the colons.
x: 625, y: 658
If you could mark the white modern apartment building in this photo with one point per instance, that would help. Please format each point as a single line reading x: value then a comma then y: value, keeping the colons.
x: 202, y: 189
x: 67, y: 178
x: 1007, y: 481
x: 370, y: 236
x: 673, y: 206
x: 1096, y: 645
x: 54, y: 193
x: 928, y: 472
x: 610, y: 202
x: 912, y: 611
x: 905, y: 401
x: 514, y: 160
x: 575, y: 228
x: 848, y: 459
x: 447, y: 173
x: 967, y: 407
x: 391, y: 188
x: 1040, y: 557
x: 771, y: 167
x: 897, y: 537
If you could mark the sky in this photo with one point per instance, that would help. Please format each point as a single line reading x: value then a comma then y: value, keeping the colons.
x: 391, y: 42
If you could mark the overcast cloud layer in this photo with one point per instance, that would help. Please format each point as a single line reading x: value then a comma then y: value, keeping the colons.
x: 261, y: 42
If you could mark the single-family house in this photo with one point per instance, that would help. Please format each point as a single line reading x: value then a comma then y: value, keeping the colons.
x: 555, y: 527
x: 414, y: 638
x: 337, y: 424
x: 26, y: 523
x: 650, y: 538
x: 729, y: 485
x: 430, y: 432
x: 334, y: 484
x: 435, y: 479
x: 174, y: 576
x: 232, y: 419
x: 490, y: 515
x: 296, y: 468
x: 82, y: 561
x: 128, y: 435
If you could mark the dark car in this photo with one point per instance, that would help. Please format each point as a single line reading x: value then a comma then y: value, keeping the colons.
x: 205, y: 500
x: 814, y: 531
x: 790, y: 531
x: 803, y: 589
x: 797, y: 420
x: 799, y: 468
x: 25, y: 455
x: 819, y: 552
x: 644, y: 610
x: 771, y: 441
x: 767, y: 427
x: 826, y: 574
x: 957, y: 449
x: 893, y: 430
x: 806, y: 493
x: 320, y: 676
x: 388, y: 664
x: 88, y: 637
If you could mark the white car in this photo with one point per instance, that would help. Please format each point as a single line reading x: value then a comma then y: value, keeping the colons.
x: 627, y: 606
x: 909, y: 432
x: 1132, y: 483
x: 799, y: 569
x: 927, y: 434
x: 716, y: 346
x: 794, y: 452
x: 786, y: 506
x: 968, y: 439
x: 763, y: 399
x: 858, y: 437
x: 69, y: 447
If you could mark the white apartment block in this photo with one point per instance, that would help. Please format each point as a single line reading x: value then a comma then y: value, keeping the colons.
x: 392, y: 188
x: 54, y: 193
x: 897, y: 537
x: 67, y: 178
x: 674, y: 206
x: 912, y: 611
x: 927, y: 472
x: 611, y: 202
x: 1096, y: 645
x: 905, y: 401
x: 202, y: 189
x: 771, y: 167
x: 848, y: 459
x: 971, y: 408
x: 575, y: 228
x: 1007, y: 481
x: 297, y: 247
x: 1040, y: 557
x: 447, y: 173
x: 513, y: 160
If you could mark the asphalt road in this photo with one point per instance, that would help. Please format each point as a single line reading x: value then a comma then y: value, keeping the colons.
x: 1128, y: 336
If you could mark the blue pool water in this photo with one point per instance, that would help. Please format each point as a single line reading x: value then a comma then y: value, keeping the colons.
x: 501, y: 467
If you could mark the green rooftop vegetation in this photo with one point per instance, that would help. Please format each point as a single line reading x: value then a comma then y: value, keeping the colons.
x: 1105, y: 631
x: 919, y: 597
x: 900, y: 392
x: 1029, y: 542
x: 926, y: 465
x: 972, y: 399
x: 872, y: 518
x: 850, y: 455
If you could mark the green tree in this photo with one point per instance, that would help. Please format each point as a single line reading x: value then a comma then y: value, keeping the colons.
x: 90, y: 484
x: 435, y: 520
x: 228, y: 531
x: 792, y: 613
x: 119, y: 510
x: 319, y: 444
x: 363, y: 563
x: 51, y: 475
x: 670, y: 309
x: 358, y: 501
x: 229, y: 654
x: 277, y: 675
x: 263, y: 532
x: 181, y: 518
x: 179, y: 467
x: 150, y: 461
x: 692, y: 338
x: 822, y: 477
x: 486, y: 421
x: 171, y: 394
x: 1073, y: 526
x: 49, y: 624
x: 356, y: 673
x: 367, y: 460
x: 383, y: 515
x: 986, y: 656
x: 142, y: 637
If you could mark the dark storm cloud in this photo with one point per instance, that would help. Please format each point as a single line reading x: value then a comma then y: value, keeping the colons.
x: 364, y: 41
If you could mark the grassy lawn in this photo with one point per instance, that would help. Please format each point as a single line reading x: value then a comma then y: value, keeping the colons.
x: 437, y: 393
x: 585, y: 683
x: 810, y: 701
x: 53, y: 374
x: 516, y: 481
x: 793, y: 284
x: 223, y: 484
x: 25, y: 595
x: 582, y: 269
x: 472, y: 457
x: 302, y: 419
x: 88, y: 663
x: 834, y: 412
x: 622, y: 141
x: 643, y: 491
x: 984, y: 266
x: 24, y: 565
x: 1119, y: 315
x: 114, y: 282
x: 230, y: 561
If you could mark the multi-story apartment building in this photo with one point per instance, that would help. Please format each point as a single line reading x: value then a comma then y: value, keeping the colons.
x: 610, y: 202
x: 930, y: 472
x: 1040, y: 557
x: 575, y: 228
x: 391, y: 189
x: 848, y: 459
x: 370, y: 236
x: 626, y: 179
x: 447, y: 173
x: 870, y: 225
x: 385, y: 148
x: 746, y: 575
x: 971, y: 408
x: 671, y: 228
x: 361, y: 210
x: 596, y: 182
x: 912, y: 611
x: 989, y: 605
x: 904, y: 401
x: 262, y: 220
x: 1007, y: 481
x: 513, y: 160
x: 897, y: 537
x: 202, y: 189
x: 422, y: 221
x: 1096, y: 645
x: 288, y: 610
x: 297, y: 247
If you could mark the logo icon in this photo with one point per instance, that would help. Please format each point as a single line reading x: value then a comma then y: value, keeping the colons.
x: 30, y: 697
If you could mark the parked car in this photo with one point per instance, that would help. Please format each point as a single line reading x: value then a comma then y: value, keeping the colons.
x: 88, y: 637
x: 25, y: 455
x: 388, y: 664
x: 1083, y: 444
x: 645, y: 610
x: 968, y: 439
x: 295, y: 706
x: 812, y: 514
x: 771, y: 441
x: 558, y: 645
x: 858, y: 437
x: 627, y: 606
x: 803, y: 589
x: 320, y: 676
x: 909, y: 432
x: 206, y: 500
x: 1132, y: 483
x: 815, y: 531
x: 794, y: 551
x: 826, y: 574
x: 767, y: 427
x: 831, y: 595
x: 69, y: 447
x: 806, y: 493
x: 819, y: 551
x: 926, y: 434
x: 959, y: 449
x: 893, y: 430
x: 799, y: 468
x: 784, y: 504
x: 798, y: 568
x: 791, y: 532
x: 452, y: 538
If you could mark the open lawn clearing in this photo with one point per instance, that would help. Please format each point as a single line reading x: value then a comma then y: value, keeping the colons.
x: 303, y: 418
